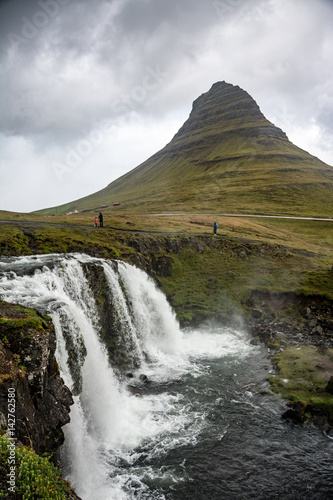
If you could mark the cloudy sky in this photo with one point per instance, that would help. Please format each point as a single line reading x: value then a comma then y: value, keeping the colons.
x: 92, y: 88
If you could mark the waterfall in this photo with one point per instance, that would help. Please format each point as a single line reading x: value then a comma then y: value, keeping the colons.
x: 106, y: 421
x: 114, y: 439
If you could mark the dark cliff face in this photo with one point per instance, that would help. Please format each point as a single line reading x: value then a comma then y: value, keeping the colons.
x: 227, y: 109
x: 111, y: 324
x: 28, y: 365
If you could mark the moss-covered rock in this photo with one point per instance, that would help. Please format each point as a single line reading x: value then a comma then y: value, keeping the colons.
x: 25, y: 475
x: 302, y: 377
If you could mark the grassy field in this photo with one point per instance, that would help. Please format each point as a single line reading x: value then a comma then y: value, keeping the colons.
x: 267, y: 254
x: 314, y: 236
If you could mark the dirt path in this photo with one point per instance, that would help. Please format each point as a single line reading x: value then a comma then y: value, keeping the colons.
x: 74, y: 226
x: 242, y: 215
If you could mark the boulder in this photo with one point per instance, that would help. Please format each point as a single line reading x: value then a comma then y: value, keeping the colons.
x: 144, y: 379
x: 318, y: 330
x: 134, y: 390
x: 296, y: 413
x: 294, y: 416
x: 256, y: 313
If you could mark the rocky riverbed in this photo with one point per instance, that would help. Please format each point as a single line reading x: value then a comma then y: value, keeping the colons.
x: 298, y: 333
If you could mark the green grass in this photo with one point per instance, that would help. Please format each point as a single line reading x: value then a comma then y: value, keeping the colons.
x: 35, y: 477
x: 27, y: 318
x: 13, y: 241
x: 48, y: 239
x: 303, y: 373
x: 217, y: 281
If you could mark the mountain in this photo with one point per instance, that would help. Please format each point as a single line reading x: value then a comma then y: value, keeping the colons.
x: 226, y: 158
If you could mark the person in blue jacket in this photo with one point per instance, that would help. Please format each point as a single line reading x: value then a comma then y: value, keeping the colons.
x: 215, y: 228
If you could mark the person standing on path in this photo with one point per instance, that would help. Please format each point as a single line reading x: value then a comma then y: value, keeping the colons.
x: 215, y: 228
x: 96, y: 221
x: 100, y: 219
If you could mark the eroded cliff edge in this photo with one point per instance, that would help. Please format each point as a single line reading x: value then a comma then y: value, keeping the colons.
x: 28, y: 365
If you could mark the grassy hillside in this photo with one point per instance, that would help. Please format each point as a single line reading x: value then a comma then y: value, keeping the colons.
x: 226, y: 158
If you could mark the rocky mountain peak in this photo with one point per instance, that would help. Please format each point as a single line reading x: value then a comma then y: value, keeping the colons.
x: 225, y: 108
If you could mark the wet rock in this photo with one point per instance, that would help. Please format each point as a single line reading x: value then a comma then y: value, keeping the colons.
x: 318, y: 330
x: 295, y: 414
x: 121, y: 356
x: 134, y: 390
x: 329, y: 387
x: 280, y: 336
x: 255, y: 341
x: 329, y: 432
x: 144, y: 379
x: 256, y: 313
x: 321, y: 423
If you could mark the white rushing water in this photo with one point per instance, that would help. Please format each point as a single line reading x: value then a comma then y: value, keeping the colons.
x: 110, y: 429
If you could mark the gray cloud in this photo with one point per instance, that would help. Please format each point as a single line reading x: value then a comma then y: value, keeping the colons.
x: 77, y: 75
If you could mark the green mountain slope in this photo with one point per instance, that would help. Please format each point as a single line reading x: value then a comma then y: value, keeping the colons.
x: 226, y: 158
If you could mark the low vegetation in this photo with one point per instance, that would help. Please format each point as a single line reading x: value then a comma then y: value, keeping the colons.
x: 302, y: 375
x: 34, y: 477
x: 18, y: 317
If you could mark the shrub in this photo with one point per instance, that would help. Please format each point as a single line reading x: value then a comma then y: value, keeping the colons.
x: 35, y: 477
